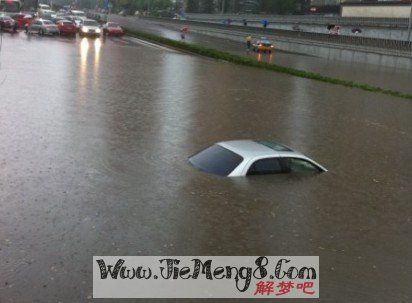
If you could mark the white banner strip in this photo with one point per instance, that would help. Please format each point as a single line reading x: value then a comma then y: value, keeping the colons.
x: 206, y: 277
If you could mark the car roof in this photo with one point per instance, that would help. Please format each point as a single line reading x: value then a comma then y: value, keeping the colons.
x: 250, y: 149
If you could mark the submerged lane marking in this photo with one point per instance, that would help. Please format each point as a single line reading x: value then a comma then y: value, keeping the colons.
x: 149, y: 44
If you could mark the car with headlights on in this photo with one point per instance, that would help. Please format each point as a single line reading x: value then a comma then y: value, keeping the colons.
x: 90, y: 28
x: 43, y: 27
x: 263, y: 45
x: 113, y: 29
x: 248, y: 157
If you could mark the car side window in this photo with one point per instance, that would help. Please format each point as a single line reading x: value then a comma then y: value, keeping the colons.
x: 265, y: 167
x: 296, y: 165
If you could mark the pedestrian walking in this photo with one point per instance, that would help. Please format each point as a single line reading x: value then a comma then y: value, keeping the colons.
x: 183, y: 31
x: 249, y: 42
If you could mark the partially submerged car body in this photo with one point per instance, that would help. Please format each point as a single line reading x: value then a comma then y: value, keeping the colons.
x: 77, y: 13
x: 23, y: 20
x: 7, y: 23
x: 66, y: 27
x: 43, y: 27
x: 263, y: 45
x: 112, y: 29
x: 247, y: 157
x: 89, y: 28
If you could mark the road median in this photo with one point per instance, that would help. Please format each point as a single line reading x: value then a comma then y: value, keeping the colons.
x: 247, y: 61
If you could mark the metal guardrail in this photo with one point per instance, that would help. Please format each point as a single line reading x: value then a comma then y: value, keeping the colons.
x: 397, y: 46
x: 306, y: 19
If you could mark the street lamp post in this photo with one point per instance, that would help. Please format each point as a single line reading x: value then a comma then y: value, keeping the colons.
x: 223, y: 6
x: 410, y: 25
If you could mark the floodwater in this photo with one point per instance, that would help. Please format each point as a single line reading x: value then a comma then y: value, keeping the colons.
x: 94, y: 140
x: 362, y: 72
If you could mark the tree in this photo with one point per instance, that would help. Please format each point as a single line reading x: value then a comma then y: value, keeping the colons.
x: 192, y: 6
x: 207, y: 6
x: 144, y: 5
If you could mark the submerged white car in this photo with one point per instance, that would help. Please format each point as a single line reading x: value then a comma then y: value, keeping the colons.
x: 248, y: 157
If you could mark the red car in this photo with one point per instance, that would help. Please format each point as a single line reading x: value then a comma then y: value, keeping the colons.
x: 113, y: 29
x: 67, y: 27
x: 23, y: 20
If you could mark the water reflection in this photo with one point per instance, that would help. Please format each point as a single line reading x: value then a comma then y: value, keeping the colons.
x: 266, y: 58
x: 85, y: 46
x: 97, y: 48
x: 84, y: 49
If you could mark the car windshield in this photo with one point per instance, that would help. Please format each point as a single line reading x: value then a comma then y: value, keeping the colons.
x: 216, y: 160
x: 67, y: 23
x: 47, y: 22
x: 90, y: 23
x: 113, y: 25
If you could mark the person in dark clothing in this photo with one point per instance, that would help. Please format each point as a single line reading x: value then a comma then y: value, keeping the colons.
x: 249, y: 42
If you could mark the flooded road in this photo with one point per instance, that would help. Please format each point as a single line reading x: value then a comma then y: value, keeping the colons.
x: 94, y: 141
x: 353, y: 70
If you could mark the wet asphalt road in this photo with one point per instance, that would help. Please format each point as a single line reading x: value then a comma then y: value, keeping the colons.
x: 94, y: 140
x: 361, y: 72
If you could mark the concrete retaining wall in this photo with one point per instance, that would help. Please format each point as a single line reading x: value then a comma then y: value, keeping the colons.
x: 376, y: 11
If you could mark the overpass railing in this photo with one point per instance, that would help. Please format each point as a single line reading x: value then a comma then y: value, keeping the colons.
x: 395, y: 46
x: 305, y: 19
